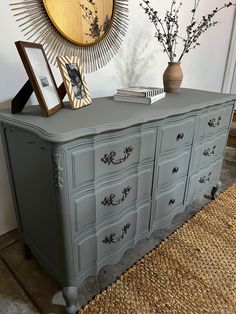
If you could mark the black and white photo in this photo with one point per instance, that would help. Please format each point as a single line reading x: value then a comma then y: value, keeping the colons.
x: 76, y: 82
x: 73, y: 78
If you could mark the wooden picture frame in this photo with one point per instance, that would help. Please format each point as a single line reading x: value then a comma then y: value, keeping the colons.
x: 73, y: 77
x: 40, y: 75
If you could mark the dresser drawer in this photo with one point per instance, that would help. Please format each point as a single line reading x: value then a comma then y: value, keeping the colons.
x: 208, y: 151
x: 215, y: 121
x: 110, y: 242
x: 167, y: 201
x: 172, y: 169
x: 203, y: 181
x: 109, y: 155
x: 108, y: 201
x: 177, y: 134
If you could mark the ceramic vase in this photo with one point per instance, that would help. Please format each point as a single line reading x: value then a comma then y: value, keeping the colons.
x: 172, y: 77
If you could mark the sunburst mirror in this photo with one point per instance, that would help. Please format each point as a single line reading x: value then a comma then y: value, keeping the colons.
x: 90, y: 29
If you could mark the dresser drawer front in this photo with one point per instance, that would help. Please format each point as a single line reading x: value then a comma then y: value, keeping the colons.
x: 110, y: 200
x: 172, y: 169
x: 108, y: 244
x: 177, y: 134
x: 203, y: 181
x: 215, y: 121
x: 167, y: 201
x: 110, y: 154
x: 209, y: 151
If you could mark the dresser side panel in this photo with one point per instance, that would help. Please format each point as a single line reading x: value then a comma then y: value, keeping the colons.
x: 30, y: 161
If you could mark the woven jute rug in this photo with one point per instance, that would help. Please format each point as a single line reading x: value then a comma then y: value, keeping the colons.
x: 192, y: 271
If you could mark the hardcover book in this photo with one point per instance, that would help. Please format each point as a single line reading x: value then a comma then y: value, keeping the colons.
x: 140, y: 91
x: 141, y: 100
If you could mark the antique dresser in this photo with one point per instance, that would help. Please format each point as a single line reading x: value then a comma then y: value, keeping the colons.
x: 89, y: 184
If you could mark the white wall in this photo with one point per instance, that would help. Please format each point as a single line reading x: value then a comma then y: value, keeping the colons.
x: 203, y: 68
x: 7, y: 214
x: 229, y: 82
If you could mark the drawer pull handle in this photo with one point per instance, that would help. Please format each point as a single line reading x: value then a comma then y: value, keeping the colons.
x: 110, y: 158
x: 213, y: 123
x: 110, y: 238
x: 180, y: 136
x: 205, y: 179
x: 175, y: 170
x: 209, y: 152
x: 172, y: 201
x: 109, y: 200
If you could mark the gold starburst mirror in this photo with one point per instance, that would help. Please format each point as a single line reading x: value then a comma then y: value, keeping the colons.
x: 90, y: 29
x: 89, y: 19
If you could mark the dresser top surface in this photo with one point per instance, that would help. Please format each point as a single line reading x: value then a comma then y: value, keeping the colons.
x: 105, y: 114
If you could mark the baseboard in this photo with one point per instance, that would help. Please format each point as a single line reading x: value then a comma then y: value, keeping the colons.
x: 230, y: 153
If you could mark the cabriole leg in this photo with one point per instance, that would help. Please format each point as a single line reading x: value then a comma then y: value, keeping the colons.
x: 26, y: 251
x: 215, y: 191
x: 70, y: 294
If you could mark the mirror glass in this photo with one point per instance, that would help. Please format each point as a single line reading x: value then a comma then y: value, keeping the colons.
x: 83, y: 22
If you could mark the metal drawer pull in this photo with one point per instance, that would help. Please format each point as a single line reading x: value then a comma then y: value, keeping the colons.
x: 172, y: 201
x: 180, y: 136
x: 109, y: 200
x: 110, y: 158
x: 209, y: 152
x: 110, y: 238
x: 205, y: 179
x: 175, y: 170
x: 213, y: 123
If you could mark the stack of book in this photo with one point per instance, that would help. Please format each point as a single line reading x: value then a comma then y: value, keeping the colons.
x: 140, y: 94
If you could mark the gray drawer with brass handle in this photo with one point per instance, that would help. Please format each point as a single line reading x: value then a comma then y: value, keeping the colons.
x: 109, y: 157
x: 171, y: 169
x: 207, y: 152
x: 177, y: 134
x: 108, y: 201
x: 110, y: 242
x: 204, y: 180
x: 168, y: 200
x: 214, y: 121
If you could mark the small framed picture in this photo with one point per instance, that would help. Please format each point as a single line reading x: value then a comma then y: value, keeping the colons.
x: 40, y: 75
x: 75, y: 84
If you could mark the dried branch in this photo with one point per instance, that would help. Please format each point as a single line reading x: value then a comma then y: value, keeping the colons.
x: 167, y: 28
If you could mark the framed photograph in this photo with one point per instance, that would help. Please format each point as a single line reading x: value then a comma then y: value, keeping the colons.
x: 74, y: 81
x: 40, y: 75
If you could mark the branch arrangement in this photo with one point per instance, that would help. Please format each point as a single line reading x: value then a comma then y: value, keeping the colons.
x: 167, y: 28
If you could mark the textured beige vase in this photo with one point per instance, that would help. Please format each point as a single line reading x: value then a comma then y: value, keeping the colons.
x: 172, y: 77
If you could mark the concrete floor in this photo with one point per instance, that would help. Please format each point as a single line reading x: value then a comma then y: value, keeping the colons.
x: 26, y: 288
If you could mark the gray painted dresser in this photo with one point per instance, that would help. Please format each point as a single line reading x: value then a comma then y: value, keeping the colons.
x: 89, y: 184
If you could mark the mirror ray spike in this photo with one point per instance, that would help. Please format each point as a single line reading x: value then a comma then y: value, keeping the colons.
x: 32, y: 13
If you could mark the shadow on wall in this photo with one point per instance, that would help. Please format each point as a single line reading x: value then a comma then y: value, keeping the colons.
x: 134, y: 61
